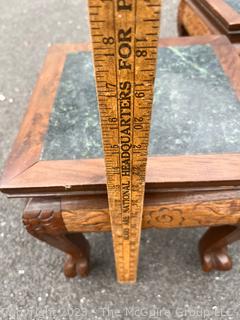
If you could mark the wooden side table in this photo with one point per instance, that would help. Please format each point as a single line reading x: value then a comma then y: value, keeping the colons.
x: 208, y: 17
x: 193, y: 173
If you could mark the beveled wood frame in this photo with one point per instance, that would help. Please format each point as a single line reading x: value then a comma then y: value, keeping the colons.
x: 229, y: 18
x: 27, y: 176
x: 218, y: 16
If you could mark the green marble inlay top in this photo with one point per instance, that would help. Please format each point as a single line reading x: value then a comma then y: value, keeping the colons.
x: 195, y: 110
x: 74, y: 130
x: 235, y: 4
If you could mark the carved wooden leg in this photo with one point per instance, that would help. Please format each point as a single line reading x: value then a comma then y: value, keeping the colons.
x: 213, y: 247
x: 44, y: 221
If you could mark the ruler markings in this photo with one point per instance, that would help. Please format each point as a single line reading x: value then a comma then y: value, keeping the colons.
x: 125, y: 99
x: 154, y: 5
x: 95, y: 21
x: 151, y: 20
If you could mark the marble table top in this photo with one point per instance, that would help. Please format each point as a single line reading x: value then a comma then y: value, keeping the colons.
x: 195, y: 110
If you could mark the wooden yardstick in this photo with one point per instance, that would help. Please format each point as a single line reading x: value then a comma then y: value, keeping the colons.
x: 125, y: 37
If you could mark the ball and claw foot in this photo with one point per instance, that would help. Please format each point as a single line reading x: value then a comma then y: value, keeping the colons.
x: 216, y: 260
x: 45, y: 223
x: 76, y: 266
x: 213, y: 247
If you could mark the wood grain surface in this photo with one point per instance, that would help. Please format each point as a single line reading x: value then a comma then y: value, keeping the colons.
x: 125, y: 46
x: 229, y: 18
x: 193, y: 21
x: 209, y: 17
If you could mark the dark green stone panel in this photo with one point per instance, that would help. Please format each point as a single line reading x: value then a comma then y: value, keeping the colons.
x: 195, y: 110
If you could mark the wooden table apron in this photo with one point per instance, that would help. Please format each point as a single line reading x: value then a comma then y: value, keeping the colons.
x: 164, y: 210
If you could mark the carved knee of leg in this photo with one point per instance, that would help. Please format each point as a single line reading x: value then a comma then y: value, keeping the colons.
x: 43, y: 222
